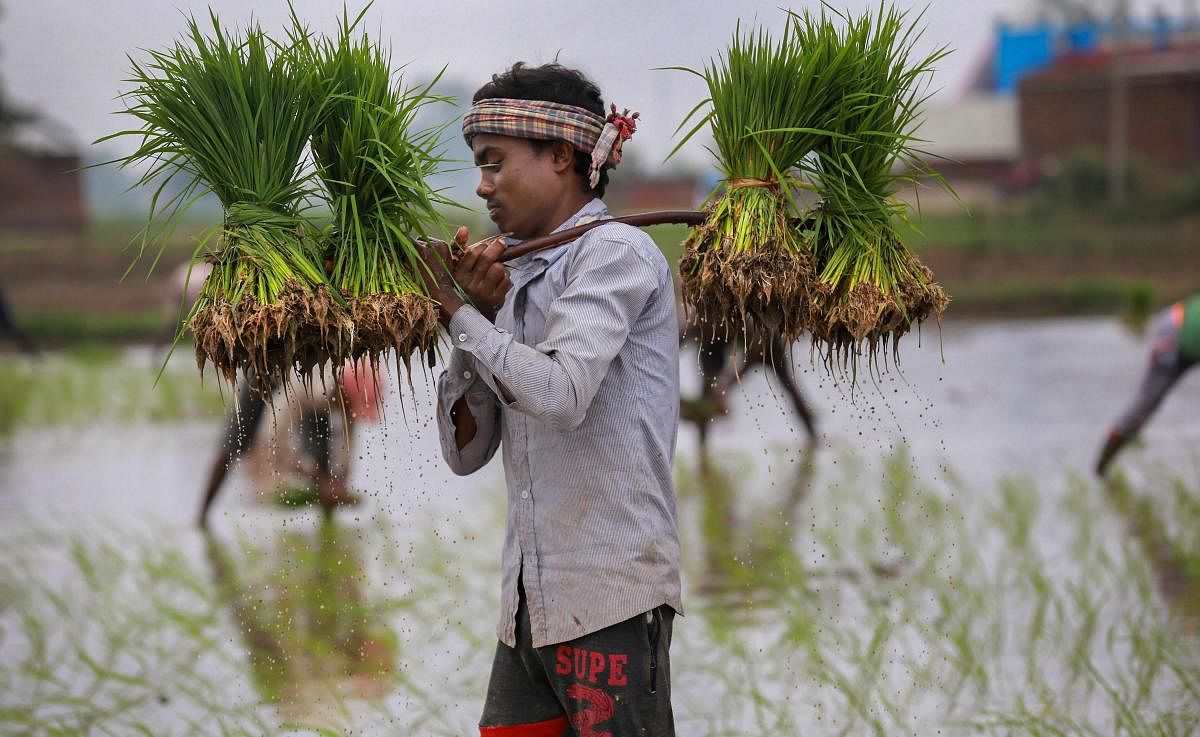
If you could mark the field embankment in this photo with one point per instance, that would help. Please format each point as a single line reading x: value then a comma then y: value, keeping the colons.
x: 68, y: 287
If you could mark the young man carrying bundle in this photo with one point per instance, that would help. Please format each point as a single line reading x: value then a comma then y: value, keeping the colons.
x: 569, y: 363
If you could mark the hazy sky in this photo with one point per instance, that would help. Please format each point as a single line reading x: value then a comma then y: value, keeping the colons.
x: 67, y: 58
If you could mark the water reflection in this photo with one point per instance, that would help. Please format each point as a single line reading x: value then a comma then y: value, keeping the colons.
x: 314, y: 641
x: 745, y: 545
x: 733, y: 542
x: 1176, y: 576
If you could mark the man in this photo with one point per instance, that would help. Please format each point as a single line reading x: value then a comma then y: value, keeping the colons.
x: 1174, y: 348
x: 10, y: 329
x: 723, y: 363
x: 569, y: 363
x: 243, y: 430
x: 354, y: 396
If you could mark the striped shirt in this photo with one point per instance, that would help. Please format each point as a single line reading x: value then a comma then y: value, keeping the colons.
x: 586, y: 346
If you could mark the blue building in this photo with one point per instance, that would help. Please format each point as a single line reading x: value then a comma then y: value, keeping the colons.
x: 1020, y: 50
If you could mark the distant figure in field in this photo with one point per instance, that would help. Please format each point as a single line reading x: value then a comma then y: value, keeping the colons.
x: 725, y: 356
x: 354, y: 398
x: 1174, y: 348
x: 10, y: 330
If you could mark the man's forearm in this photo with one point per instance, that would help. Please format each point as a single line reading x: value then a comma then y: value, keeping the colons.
x: 465, y: 425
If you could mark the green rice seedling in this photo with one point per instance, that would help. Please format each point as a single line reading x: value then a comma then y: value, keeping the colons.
x: 375, y: 165
x: 770, y: 101
x: 870, y: 288
x: 231, y: 113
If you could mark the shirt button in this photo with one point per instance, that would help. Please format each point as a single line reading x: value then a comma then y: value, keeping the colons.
x: 524, y: 494
x: 462, y: 337
x: 466, y: 374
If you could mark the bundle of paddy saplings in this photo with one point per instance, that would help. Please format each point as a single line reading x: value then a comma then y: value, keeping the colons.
x: 231, y: 113
x: 770, y: 102
x: 375, y: 165
x: 870, y: 289
x: 827, y: 111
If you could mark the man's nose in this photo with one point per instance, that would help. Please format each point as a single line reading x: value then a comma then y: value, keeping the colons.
x: 485, y: 188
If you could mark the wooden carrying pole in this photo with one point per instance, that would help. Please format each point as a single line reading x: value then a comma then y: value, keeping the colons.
x: 640, y: 220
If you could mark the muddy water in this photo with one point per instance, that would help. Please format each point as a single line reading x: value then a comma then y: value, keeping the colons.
x: 979, y: 402
x: 992, y: 399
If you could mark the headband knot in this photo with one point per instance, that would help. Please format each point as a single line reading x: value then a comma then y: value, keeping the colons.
x: 626, y: 124
x: 549, y: 121
x: 618, y: 128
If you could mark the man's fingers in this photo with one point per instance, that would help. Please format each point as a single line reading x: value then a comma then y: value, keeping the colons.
x: 466, y: 263
x: 429, y: 249
x: 438, y: 261
x: 493, y: 250
x: 476, y: 261
x: 496, y: 274
x: 425, y: 255
x: 461, y: 235
x: 489, y: 254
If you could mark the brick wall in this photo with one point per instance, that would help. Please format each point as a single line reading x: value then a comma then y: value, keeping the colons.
x: 40, y: 191
x: 1064, y: 110
x: 643, y: 194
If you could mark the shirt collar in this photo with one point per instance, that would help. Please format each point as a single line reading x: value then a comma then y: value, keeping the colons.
x: 593, y: 210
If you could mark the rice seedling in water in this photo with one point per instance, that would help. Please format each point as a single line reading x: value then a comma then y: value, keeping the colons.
x: 77, y: 391
x: 769, y: 102
x: 870, y: 288
x: 231, y: 112
x: 374, y: 166
x: 127, y: 633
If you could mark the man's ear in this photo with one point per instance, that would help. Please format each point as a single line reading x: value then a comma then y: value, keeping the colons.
x: 562, y: 156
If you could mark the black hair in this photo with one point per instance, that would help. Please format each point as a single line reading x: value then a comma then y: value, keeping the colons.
x: 552, y: 83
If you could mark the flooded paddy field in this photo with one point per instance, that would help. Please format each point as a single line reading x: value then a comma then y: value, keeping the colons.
x: 938, y: 560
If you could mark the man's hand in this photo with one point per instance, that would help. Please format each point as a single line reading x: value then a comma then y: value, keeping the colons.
x: 477, y: 274
x: 482, y: 277
x: 438, y: 275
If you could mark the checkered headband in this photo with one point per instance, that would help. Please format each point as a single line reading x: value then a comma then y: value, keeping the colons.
x: 552, y: 121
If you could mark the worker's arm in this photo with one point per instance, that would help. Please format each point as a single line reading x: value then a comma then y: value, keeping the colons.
x: 609, y: 282
x: 468, y: 411
x: 468, y: 416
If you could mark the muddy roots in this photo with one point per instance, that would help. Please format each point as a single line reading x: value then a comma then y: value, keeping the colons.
x: 863, y: 321
x: 306, y: 331
x: 736, y: 293
x: 300, y: 332
x: 405, y: 322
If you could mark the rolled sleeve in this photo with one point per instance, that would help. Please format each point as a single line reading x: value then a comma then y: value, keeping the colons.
x: 458, y: 377
x: 460, y: 380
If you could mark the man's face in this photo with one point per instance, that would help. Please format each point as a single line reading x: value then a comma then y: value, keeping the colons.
x: 521, y: 184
